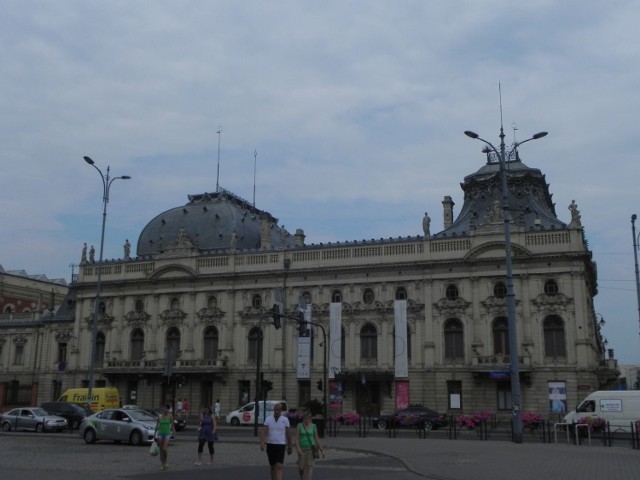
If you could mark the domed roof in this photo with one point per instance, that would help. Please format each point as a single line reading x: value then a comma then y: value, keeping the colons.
x: 530, y: 202
x: 211, y: 222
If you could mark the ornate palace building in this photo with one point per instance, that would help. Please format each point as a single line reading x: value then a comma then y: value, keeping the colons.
x: 419, y: 319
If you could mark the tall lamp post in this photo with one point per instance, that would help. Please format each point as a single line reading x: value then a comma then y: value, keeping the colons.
x: 511, y: 301
x: 106, y: 186
x: 635, y: 257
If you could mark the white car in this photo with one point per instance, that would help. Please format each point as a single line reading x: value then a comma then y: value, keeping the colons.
x: 35, y: 419
x: 245, y: 414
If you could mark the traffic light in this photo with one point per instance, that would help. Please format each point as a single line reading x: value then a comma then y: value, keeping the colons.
x: 302, y: 325
x: 319, y: 385
x: 277, y: 318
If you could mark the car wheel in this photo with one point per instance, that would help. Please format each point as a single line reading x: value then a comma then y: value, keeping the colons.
x: 40, y: 428
x: 382, y: 424
x: 6, y: 426
x: 235, y: 422
x: 89, y: 435
x: 428, y: 426
x: 136, y: 437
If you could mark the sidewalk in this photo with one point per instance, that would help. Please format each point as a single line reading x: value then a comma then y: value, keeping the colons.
x: 491, y: 460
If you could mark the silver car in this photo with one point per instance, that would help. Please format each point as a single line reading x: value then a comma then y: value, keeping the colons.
x: 35, y: 419
x: 119, y: 425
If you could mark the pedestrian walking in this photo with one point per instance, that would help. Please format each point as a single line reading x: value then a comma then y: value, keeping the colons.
x: 207, y: 431
x: 186, y: 406
x: 179, y: 407
x: 308, y: 446
x: 216, y: 409
x: 164, y: 430
x: 276, y: 437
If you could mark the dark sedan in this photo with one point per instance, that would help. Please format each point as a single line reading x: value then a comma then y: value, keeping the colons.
x: 411, y: 417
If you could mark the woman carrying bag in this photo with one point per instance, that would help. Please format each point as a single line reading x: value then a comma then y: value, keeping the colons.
x: 308, y: 447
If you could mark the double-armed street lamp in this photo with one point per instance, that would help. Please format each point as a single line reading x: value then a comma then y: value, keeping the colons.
x: 511, y: 301
x: 106, y: 186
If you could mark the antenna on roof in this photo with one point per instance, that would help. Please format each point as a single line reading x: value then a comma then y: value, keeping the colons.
x: 515, y: 129
x: 218, y: 173
x: 255, y: 162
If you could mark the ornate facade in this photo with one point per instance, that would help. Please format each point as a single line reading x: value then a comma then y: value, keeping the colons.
x: 183, y: 317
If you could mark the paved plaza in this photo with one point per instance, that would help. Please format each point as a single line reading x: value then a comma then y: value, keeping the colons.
x: 238, y: 456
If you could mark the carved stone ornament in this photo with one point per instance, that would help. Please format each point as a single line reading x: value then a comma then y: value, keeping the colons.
x: 104, y: 319
x: 210, y: 315
x: 173, y: 317
x: 137, y: 318
x: 451, y: 308
x: 64, y: 335
x: 552, y: 303
x: 20, y: 339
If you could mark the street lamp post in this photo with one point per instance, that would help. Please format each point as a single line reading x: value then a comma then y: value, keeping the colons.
x: 106, y: 186
x: 511, y: 301
x: 635, y: 257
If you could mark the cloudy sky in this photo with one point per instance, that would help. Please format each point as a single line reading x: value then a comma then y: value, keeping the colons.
x: 356, y: 110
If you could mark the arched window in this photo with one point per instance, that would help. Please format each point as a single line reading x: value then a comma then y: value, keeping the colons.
x: 137, y: 345
x: 173, y: 343
x: 453, y: 339
x: 174, y: 305
x: 500, y: 290
x: 256, y: 301
x: 139, y: 306
x: 401, y: 293
x: 100, y: 346
x: 452, y: 292
x: 307, y: 298
x: 368, y: 296
x: 336, y: 296
x: 253, y: 339
x: 551, y: 288
x: 554, y: 339
x: 501, y: 336
x: 368, y: 342
x: 212, y: 302
x: 210, y: 350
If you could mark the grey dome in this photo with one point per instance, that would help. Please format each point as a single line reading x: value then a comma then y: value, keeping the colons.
x: 207, y: 224
x: 529, y: 198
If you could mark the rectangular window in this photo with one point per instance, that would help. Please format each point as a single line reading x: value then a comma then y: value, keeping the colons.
x: 18, y: 358
x: 304, y: 392
x: 454, y: 390
x: 62, y: 352
x: 504, y: 395
x: 244, y: 392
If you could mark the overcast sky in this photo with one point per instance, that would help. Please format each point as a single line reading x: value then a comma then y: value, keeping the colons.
x: 356, y: 110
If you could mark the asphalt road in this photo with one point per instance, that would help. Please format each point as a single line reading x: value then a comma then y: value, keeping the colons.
x: 27, y: 456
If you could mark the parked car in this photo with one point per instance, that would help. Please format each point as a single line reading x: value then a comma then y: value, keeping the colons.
x: 73, y: 412
x: 32, y: 418
x: 409, y: 417
x: 179, y: 421
x: 119, y: 425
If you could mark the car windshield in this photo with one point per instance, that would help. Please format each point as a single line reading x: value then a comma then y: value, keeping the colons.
x: 39, y: 412
x: 141, y: 416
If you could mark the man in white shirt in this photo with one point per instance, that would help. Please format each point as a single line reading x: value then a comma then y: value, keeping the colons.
x: 276, y: 436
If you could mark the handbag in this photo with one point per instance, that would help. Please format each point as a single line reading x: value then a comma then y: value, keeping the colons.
x: 154, y: 450
x: 314, y: 450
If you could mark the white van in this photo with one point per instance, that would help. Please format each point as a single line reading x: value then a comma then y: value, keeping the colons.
x: 245, y: 415
x: 619, y: 408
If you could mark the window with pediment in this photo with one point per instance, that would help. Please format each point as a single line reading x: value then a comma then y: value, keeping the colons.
x: 210, y: 351
x: 453, y: 339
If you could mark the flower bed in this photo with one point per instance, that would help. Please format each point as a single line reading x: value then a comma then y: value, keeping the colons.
x: 348, y: 418
x: 531, y: 420
x: 595, y: 424
x: 473, y: 420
